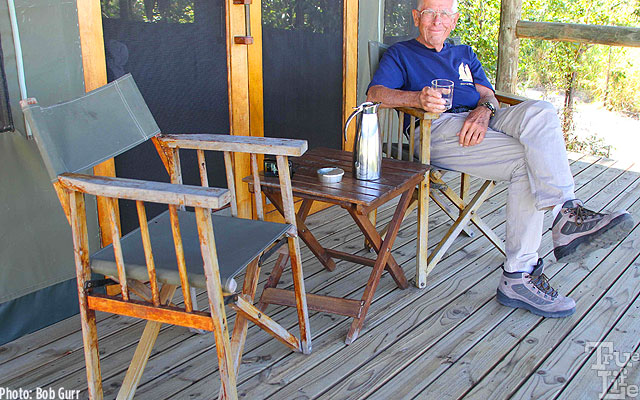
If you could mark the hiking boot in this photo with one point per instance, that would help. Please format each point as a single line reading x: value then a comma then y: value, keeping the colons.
x: 533, y: 293
x: 577, y: 231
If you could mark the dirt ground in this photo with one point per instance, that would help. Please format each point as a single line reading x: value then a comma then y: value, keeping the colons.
x: 620, y: 132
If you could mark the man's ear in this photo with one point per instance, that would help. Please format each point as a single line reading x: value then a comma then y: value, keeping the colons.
x: 455, y: 21
x: 416, y: 17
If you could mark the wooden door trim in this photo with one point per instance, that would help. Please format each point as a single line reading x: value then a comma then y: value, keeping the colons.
x: 349, y: 68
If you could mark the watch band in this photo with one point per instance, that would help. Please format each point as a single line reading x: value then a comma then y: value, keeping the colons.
x: 490, y: 106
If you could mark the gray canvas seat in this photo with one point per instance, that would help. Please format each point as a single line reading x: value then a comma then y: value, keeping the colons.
x: 235, y: 250
x: 176, y: 250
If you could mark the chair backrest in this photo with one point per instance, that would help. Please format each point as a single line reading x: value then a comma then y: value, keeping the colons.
x: 376, y: 50
x: 76, y: 135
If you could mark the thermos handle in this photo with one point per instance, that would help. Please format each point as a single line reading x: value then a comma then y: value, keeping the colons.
x: 353, y: 114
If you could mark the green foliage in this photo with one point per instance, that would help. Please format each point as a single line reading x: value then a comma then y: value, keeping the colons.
x: 478, y: 27
x: 312, y: 15
x: 171, y: 11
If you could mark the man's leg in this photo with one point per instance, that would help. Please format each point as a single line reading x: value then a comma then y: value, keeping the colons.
x: 498, y: 157
x: 502, y: 157
x: 577, y: 231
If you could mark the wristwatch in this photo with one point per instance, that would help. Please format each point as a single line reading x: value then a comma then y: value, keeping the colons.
x: 490, y: 106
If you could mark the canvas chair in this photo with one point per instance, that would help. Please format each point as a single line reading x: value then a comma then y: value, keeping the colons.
x: 177, y: 248
x: 461, y: 207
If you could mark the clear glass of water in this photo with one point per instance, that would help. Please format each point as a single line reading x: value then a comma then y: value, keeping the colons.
x: 445, y: 87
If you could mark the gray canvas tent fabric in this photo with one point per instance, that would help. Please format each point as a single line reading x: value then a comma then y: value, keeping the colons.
x: 79, y: 134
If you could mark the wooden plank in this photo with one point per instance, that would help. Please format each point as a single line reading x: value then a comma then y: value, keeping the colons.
x: 148, y: 252
x: 269, y: 351
x: 216, y: 303
x: 117, y: 248
x: 163, y: 314
x: 362, y: 382
x: 148, y: 191
x: 83, y: 274
x: 557, y: 31
x: 349, y: 67
x: 330, y: 239
x: 286, y: 371
x: 250, y: 312
x: 528, y: 352
x: 94, y: 67
x: 48, y: 352
x: 236, y: 144
x: 328, y: 304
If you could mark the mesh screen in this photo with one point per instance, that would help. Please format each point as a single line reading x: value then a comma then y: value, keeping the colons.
x: 398, y: 22
x: 176, y: 52
x: 302, y: 64
x: 6, y: 122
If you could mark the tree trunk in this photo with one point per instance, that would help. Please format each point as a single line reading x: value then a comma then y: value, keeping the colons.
x: 567, y: 120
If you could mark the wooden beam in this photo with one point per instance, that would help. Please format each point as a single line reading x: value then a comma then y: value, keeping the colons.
x: 349, y: 68
x: 148, y: 191
x: 508, y: 46
x: 94, y: 66
x: 239, y: 110
x: 608, y: 35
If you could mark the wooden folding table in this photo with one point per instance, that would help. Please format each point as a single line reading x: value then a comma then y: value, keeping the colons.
x: 398, y: 178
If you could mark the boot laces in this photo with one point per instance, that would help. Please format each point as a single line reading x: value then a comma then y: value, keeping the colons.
x: 541, y: 282
x: 581, y: 214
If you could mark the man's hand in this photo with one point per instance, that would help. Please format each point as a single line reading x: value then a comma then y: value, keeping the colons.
x: 475, y: 127
x: 431, y: 100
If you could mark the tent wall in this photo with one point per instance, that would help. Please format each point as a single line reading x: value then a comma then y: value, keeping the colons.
x: 37, y: 278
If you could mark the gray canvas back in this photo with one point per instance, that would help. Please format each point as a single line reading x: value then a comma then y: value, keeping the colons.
x: 376, y: 50
x: 81, y: 133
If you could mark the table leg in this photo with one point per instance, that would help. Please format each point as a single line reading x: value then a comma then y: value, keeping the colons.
x: 381, y: 262
x: 372, y: 235
x: 303, y: 231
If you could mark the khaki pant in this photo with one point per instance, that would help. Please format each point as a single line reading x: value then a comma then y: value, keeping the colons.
x: 524, y: 146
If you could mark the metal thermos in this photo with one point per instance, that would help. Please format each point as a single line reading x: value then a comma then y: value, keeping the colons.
x: 367, y: 151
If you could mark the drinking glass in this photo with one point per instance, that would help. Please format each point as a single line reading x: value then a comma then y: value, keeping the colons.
x: 445, y: 87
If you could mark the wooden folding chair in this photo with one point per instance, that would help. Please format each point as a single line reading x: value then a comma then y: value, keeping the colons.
x: 177, y: 248
x: 464, y: 211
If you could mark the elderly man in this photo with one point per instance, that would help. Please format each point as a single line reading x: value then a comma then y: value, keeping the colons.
x: 522, y: 144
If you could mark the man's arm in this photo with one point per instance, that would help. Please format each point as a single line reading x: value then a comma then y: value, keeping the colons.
x: 426, y: 99
x: 477, y: 122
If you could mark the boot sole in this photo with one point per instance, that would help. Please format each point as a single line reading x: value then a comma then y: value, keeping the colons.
x: 514, y: 303
x: 580, y: 247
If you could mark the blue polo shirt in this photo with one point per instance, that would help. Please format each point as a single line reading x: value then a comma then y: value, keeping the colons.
x: 411, y: 66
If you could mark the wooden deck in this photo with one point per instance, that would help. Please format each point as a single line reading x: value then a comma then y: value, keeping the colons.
x: 450, y: 340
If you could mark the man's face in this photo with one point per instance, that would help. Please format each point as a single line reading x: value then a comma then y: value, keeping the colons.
x: 435, y: 27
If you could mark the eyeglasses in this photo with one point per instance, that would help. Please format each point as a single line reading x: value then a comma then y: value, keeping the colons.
x: 430, y: 15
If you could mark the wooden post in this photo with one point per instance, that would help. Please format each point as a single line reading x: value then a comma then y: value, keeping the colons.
x: 508, y: 46
x: 349, y: 68
x: 95, y: 75
x: 239, y: 110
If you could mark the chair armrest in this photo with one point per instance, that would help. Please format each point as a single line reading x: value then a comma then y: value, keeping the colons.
x: 155, y: 192
x: 416, y: 112
x: 237, y: 144
x: 508, y: 98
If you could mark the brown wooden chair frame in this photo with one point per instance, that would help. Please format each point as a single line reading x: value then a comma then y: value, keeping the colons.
x: 153, y: 303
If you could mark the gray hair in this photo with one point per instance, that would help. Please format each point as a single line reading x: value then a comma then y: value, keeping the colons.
x: 454, y: 6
